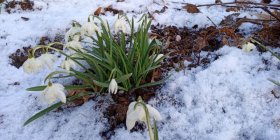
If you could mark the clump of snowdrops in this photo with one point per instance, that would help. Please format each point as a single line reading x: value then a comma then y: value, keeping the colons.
x: 105, y: 61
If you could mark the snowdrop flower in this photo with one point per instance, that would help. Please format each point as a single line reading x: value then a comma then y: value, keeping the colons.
x: 89, y: 28
x: 73, y: 31
x: 158, y: 57
x: 138, y: 114
x: 113, y: 86
x: 48, y: 59
x: 67, y: 64
x: 120, y: 26
x: 75, y: 45
x: 248, y: 47
x: 32, y: 65
x: 53, y: 92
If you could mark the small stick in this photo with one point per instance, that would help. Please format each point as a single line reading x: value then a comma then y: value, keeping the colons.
x: 272, y: 14
x: 212, y: 21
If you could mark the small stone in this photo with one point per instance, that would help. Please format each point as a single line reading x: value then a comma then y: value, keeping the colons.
x: 178, y: 38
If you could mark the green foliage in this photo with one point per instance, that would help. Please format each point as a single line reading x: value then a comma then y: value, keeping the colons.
x: 52, y: 107
x: 127, y: 58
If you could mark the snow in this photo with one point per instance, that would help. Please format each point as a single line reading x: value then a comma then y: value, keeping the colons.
x: 229, y: 99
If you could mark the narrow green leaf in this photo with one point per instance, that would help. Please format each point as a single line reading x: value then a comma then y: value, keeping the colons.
x: 101, y: 84
x: 123, y: 78
x: 43, y: 112
x: 152, y: 83
x: 37, y: 88
x: 275, y: 82
x: 68, y: 87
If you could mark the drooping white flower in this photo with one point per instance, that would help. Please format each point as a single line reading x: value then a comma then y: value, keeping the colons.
x: 68, y: 64
x: 53, y: 92
x: 48, y: 59
x: 90, y: 28
x: 113, y: 86
x: 120, y: 26
x: 156, y: 58
x: 159, y: 57
x: 72, y: 32
x: 32, y: 65
x: 137, y: 113
x: 75, y: 45
x: 248, y: 47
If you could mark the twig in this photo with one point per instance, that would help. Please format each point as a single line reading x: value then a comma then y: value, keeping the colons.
x: 212, y: 21
x: 245, y: 3
x: 272, y: 14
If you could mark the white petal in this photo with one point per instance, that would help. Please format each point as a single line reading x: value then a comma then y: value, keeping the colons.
x: 61, y: 96
x: 32, y: 65
x: 71, y: 33
x: 113, y: 86
x: 154, y: 113
x: 131, y: 107
x: 131, y: 120
x: 159, y: 57
x: 134, y: 116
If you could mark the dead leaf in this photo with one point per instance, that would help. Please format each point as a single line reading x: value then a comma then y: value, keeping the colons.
x: 266, y: 1
x: 233, y: 9
x: 113, y: 10
x: 98, y: 11
x: 191, y: 8
x: 230, y: 20
x: 200, y: 43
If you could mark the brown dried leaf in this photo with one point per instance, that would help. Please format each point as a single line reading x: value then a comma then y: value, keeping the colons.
x: 191, y: 8
x: 200, y: 43
x: 111, y: 9
x: 156, y: 75
x: 233, y: 9
x: 230, y: 20
x: 98, y: 11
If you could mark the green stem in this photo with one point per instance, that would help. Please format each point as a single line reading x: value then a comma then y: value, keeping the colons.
x: 266, y: 48
x: 150, y: 129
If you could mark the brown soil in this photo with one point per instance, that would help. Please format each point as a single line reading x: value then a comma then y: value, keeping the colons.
x: 21, y: 55
x: 24, y: 5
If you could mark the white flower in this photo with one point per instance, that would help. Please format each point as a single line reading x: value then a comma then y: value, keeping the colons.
x: 67, y: 64
x: 32, y: 65
x: 158, y: 57
x: 53, y: 92
x: 248, y: 47
x: 48, y: 59
x: 120, y: 26
x: 75, y: 45
x: 113, y: 86
x: 138, y: 114
x: 89, y: 28
x: 73, y: 31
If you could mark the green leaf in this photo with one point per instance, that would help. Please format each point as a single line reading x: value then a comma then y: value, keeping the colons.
x: 275, y: 82
x: 69, y: 87
x: 37, y: 88
x: 101, y: 84
x: 123, y: 78
x: 43, y: 112
x: 54, y: 106
x: 152, y: 83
